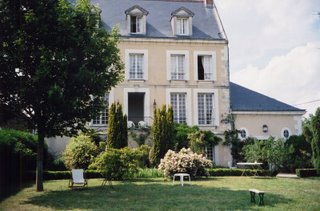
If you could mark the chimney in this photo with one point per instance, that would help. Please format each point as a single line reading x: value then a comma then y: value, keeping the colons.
x: 208, y: 3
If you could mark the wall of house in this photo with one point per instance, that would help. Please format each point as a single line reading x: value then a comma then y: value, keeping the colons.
x: 276, y: 122
x: 158, y: 85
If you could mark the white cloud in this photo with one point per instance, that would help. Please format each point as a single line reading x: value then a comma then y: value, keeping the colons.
x: 293, y: 78
x: 258, y: 30
x: 274, y: 47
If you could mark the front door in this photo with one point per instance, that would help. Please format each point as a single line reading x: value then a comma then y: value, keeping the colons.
x: 136, y: 107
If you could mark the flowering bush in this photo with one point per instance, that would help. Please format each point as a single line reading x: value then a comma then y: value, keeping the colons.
x: 183, y: 161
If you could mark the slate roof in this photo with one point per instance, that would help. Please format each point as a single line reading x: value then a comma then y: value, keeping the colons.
x: 243, y: 99
x: 205, y: 24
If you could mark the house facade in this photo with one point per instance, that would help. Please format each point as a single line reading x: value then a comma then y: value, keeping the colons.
x: 176, y: 53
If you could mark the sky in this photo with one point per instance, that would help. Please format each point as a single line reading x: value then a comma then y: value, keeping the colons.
x: 275, y: 48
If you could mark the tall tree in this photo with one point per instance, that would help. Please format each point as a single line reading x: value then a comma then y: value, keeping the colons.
x: 117, y: 133
x: 311, y: 130
x: 162, y: 134
x: 56, y: 64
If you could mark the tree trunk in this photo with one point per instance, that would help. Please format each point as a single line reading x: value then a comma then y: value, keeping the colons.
x: 39, y: 172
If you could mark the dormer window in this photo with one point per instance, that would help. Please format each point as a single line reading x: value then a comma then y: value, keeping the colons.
x: 182, y: 26
x: 181, y: 22
x: 135, y: 24
x: 136, y: 20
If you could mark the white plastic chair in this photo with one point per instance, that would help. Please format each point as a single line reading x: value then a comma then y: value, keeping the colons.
x: 142, y: 124
x: 130, y: 124
x: 77, y: 179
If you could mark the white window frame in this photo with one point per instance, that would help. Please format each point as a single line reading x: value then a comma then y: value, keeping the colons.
x: 147, y: 104
x: 182, y: 26
x: 247, y: 133
x: 142, y: 21
x: 188, y: 101
x: 216, y: 118
x: 139, y: 24
x: 205, y: 109
x: 186, y: 64
x: 128, y: 52
x: 213, y: 65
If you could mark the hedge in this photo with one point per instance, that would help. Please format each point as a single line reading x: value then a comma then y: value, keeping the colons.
x: 235, y: 172
x: 144, y: 173
x: 307, y: 172
x: 17, y: 156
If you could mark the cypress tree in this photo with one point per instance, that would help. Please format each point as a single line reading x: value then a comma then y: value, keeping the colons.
x: 162, y: 134
x: 117, y: 134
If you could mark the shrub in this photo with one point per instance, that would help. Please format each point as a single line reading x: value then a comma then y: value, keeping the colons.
x: 299, y: 153
x: 148, y: 173
x: 117, y: 164
x: 144, y: 151
x: 79, y: 152
x: 181, y: 135
x: 269, y: 151
x: 183, y: 161
x: 200, y: 139
x: 307, y: 172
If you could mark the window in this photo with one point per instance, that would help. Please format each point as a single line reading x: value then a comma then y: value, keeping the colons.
x: 205, y: 67
x: 178, y: 67
x: 136, y: 66
x: 181, y: 21
x: 136, y: 18
x: 102, y: 118
x: 135, y: 24
x: 243, y: 133
x: 182, y: 26
x: 285, y: 133
x: 205, y: 109
x: 209, y: 151
x: 178, y: 103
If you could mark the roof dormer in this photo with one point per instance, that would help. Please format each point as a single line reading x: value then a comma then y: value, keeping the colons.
x: 181, y: 22
x: 136, y: 20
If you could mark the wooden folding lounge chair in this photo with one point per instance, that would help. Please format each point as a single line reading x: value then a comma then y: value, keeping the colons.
x: 77, y: 179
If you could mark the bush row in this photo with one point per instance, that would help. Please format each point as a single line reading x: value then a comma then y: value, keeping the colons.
x: 307, y: 172
x: 235, y: 172
x: 90, y: 174
x: 147, y: 173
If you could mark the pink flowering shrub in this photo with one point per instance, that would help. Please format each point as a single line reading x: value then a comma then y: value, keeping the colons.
x: 184, y: 161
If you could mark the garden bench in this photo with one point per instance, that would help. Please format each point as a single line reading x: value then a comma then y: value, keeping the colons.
x: 181, y: 175
x: 253, y: 193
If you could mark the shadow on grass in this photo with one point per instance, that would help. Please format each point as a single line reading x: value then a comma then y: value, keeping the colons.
x: 9, y: 190
x: 146, y: 195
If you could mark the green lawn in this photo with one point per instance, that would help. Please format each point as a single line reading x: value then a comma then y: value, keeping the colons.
x: 214, y: 193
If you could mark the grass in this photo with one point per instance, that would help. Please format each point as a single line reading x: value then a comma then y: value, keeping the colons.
x: 214, y: 193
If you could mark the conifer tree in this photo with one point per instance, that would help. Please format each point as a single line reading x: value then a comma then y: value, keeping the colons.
x: 162, y: 134
x: 117, y: 133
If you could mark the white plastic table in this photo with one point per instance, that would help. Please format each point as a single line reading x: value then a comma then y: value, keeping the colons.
x: 181, y: 175
x: 254, y: 166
